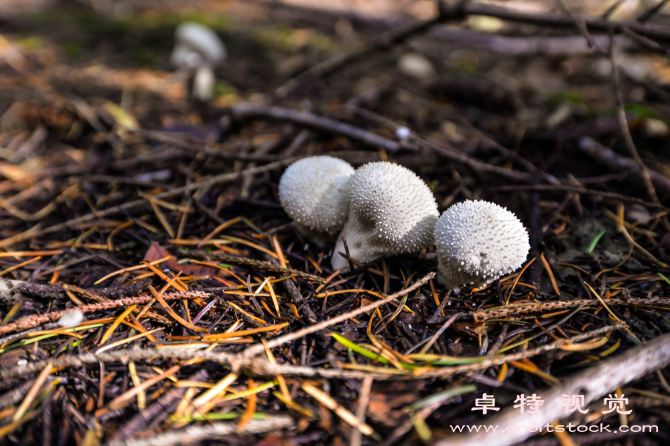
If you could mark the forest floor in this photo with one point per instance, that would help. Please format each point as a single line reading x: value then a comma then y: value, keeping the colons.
x: 209, y: 318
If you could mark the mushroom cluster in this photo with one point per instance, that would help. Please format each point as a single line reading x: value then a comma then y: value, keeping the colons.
x: 199, y: 50
x: 384, y: 209
x: 477, y: 242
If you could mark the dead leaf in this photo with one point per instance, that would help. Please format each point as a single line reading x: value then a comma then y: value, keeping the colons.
x: 157, y: 252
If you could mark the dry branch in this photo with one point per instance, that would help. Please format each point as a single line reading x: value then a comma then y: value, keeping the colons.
x: 613, y: 161
x: 459, y: 10
x: 28, y: 322
x: 256, y: 264
x: 519, y: 310
x: 643, y: 171
x: 260, y: 367
x: 243, y: 111
x: 551, y: 19
x: 211, y: 431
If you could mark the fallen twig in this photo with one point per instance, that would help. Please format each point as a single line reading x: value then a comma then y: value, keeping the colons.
x: 245, y: 110
x: 625, y: 130
x: 260, y: 367
x: 210, y: 431
x: 613, y: 161
x: 256, y: 264
x: 28, y: 322
x: 518, y: 310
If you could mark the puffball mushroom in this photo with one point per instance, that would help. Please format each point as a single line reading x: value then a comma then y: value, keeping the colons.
x: 391, y: 211
x: 198, y: 48
x: 313, y: 192
x: 477, y: 242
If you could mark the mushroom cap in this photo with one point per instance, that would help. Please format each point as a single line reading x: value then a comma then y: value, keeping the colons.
x: 397, y: 203
x: 194, y: 39
x: 477, y: 242
x: 313, y: 192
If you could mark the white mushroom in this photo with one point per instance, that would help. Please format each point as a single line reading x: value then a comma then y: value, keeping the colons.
x: 198, y: 48
x: 196, y: 45
x: 392, y: 211
x: 477, y: 242
x: 71, y: 318
x: 313, y: 192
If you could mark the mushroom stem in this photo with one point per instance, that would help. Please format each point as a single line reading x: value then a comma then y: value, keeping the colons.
x: 360, y: 248
x: 203, y: 84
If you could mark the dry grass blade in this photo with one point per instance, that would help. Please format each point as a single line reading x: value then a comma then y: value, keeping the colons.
x: 174, y: 315
x: 124, y: 399
x: 215, y: 391
x: 32, y: 393
x: 343, y: 413
x: 116, y: 323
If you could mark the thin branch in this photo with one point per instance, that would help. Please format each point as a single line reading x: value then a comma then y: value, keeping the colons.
x: 471, y: 162
x: 647, y: 15
x: 239, y: 260
x: 31, y: 321
x: 552, y: 19
x: 625, y: 130
x: 244, y: 110
x: 612, y: 9
x: 647, y: 42
x: 526, y: 309
x: 363, y: 400
x: 610, y: 159
x: 580, y: 23
x: 261, y: 367
x: 210, y: 431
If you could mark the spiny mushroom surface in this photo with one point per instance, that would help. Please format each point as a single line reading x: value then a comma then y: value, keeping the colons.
x: 313, y: 192
x: 477, y: 242
x: 392, y: 211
